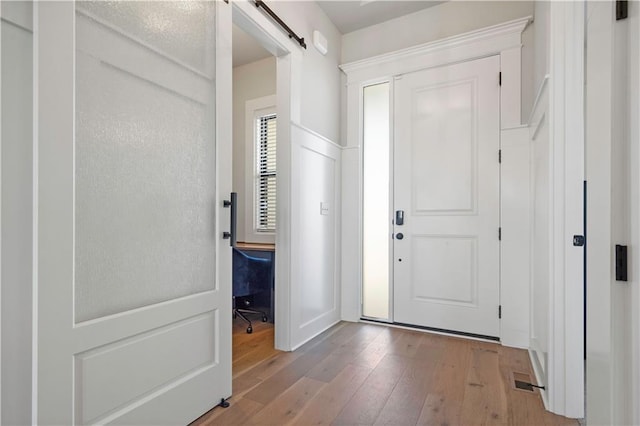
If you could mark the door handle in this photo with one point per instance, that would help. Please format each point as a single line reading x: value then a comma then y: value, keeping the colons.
x: 231, y: 235
x: 399, y: 217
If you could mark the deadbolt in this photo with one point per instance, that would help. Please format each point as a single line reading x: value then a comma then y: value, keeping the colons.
x: 399, y: 236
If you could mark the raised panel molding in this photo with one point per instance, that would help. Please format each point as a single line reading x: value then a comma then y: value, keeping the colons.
x: 445, y: 259
x: 434, y: 162
x: 515, y: 252
x: 172, y: 353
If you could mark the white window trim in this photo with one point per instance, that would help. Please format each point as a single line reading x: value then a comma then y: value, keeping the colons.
x: 253, y: 109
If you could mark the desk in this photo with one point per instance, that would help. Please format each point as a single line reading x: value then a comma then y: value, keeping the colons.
x: 255, y: 246
x: 265, y: 300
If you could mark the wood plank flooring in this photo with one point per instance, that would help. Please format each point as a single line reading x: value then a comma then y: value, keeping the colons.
x: 364, y: 374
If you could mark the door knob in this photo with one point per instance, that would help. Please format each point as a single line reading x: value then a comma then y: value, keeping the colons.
x: 399, y: 236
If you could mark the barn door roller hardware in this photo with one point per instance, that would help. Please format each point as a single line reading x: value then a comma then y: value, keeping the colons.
x: 622, y: 9
x: 272, y: 14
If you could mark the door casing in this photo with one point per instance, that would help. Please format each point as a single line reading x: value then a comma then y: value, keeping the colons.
x: 504, y: 40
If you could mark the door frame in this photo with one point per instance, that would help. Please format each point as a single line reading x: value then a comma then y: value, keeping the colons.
x: 565, y: 371
x: 504, y: 40
x: 612, y: 159
x: 288, y: 108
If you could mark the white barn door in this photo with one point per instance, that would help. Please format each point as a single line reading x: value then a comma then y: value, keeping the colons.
x: 447, y: 183
x: 133, y: 278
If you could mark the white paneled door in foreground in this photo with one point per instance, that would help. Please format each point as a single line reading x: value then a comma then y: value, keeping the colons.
x: 446, y: 197
x: 133, y: 293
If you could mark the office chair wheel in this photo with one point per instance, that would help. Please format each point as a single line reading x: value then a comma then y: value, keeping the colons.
x: 249, y: 330
x: 264, y: 318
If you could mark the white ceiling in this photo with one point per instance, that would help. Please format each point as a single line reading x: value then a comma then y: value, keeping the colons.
x: 351, y: 15
x: 245, y: 48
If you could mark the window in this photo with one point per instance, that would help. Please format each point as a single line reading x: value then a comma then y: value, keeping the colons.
x: 265, y: 167
x: 258, y: 212
x: 376, y: 197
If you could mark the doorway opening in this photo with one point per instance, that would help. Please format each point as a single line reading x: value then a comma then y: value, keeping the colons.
x: 431, y: 199
x: 254, y: 180
x: 255, y: 117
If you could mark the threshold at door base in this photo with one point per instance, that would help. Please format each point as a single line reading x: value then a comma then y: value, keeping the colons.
x: 434, y: 330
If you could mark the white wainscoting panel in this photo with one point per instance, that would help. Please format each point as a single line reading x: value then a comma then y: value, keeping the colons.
x: 516, y: 237
x: 351, y: 234
x: 540, y: 238
x: 315, y: 242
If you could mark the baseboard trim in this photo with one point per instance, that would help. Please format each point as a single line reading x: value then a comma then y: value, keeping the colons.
x: 315, y: 335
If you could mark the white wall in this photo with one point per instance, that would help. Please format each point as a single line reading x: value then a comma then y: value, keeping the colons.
x: 599, y: 221
x: 540, y: 31
x: 433, y: 23
x: 320, y: 79
x: 17, y: 208
x: 441, y: 21
x: 634, y: 200
x: 250, y: 81
x: 609, y: 164
x: 621, y: 292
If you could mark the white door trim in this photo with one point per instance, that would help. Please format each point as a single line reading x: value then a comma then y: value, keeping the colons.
x: 1, y: 287
x: 565, y: 370
x: 288, y: 95
x: 634, y: 136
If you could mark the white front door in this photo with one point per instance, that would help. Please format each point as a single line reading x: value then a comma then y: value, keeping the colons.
x: 133, y: 278
x: 447, y: 183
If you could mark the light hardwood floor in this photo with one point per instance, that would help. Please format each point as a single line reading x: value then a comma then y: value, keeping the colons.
x: 364, y: 374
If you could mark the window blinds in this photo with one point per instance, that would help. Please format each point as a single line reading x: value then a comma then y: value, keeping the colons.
x: 266, y: 173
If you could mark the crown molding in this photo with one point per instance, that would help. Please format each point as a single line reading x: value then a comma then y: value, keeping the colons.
x: 500, y: 37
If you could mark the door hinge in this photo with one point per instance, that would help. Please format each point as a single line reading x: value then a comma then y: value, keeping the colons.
x: 500, y: 234
x: 500, y: 78
x: 500, y: 156
x: 499, y: 311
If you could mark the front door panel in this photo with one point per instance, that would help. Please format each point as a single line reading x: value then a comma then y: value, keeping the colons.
x: 447, y: 177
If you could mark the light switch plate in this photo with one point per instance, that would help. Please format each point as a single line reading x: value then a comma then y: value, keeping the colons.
x: 324, y: 208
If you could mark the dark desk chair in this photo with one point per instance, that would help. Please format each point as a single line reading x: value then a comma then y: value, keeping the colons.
x: 251, y: 275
